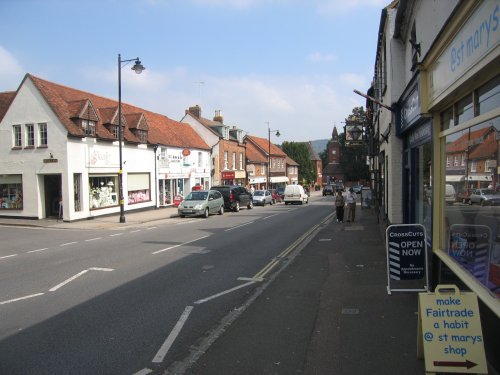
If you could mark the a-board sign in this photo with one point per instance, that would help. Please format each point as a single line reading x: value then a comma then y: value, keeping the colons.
x: 449, y: 330
x: 406, y: 254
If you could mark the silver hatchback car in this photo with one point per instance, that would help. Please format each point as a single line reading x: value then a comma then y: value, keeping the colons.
x: 202, y: 203
x: 484, y: 197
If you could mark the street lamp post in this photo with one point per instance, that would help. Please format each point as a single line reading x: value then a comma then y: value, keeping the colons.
x: 138, y: 68
x: 269, y: 131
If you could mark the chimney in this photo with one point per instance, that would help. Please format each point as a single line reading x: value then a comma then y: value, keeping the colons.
x: 194, y: 111
x: 218, y: 116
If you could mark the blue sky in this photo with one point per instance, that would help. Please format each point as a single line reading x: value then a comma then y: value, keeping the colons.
x: 292, y: 63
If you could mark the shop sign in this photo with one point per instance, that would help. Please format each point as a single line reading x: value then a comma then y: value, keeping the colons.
x: 406, y: 254
x: 450, y: 337
x: 51, y: 160
x: 228, y: 175
x: 479, y: 36
x: 410, y: 109
x: 420, y: 135
x: 186, y: 152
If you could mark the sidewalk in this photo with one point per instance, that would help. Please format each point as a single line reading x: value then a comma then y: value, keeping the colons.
x: 327, y: 313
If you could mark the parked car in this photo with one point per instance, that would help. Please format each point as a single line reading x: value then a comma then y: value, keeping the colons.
x: 202, y: 203
x: 464, y: 195
x: 449, y: 194
x: 235, y: 197
x: 295, y: 194
x: 484, y: 197
x: 357, y: 188
x: 276, y: 196
x: 328, y: 190
x: 262, y: 197
x: 338, y: 186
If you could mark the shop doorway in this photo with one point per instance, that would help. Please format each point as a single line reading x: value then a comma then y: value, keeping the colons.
x: 53, y: 195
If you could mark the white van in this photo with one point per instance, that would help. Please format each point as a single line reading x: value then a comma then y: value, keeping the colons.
x: 449, y: 194
x: 295, y: 194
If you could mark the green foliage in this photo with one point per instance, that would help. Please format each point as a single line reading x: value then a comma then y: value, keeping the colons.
x: 299, y: 152
x: 353, y: 158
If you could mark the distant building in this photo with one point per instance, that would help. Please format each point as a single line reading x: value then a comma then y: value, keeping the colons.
x: 333, y: 171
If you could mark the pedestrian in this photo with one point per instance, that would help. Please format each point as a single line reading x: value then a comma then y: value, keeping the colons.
x: 252, y: 189
x: 351, y: 205
x: 339, y: 206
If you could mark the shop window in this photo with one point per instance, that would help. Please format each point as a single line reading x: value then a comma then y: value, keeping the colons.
x: 447, y: 119
x: 234, y: 161
x: 138, y: 188
x: 42, y: 135
x: 489, y: 96
x: 11, y: 192
x: 30, y: 135
x: 103, y: 191
x: 16, y: 136
x: 472, y: 218
x: 464, y: 110
x: 77, y: 191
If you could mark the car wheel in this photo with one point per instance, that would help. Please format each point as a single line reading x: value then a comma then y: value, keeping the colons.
x: 286, y: 203
x: 482, y: 203
x: 250, y: 205
x: 182, y: 216
x: 237, y: 207
x: 206, y: 214
x: 221, y: 210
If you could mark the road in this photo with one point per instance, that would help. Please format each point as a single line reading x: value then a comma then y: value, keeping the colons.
x: 136, y: 301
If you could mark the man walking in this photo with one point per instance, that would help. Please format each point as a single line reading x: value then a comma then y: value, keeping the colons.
x: 351, y: 205
x: 339, y: 206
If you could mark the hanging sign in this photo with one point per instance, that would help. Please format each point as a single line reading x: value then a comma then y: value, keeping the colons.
x: 406, y: 255
x: 449, y: 332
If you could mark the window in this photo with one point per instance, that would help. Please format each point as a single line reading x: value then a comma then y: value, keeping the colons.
x: 142, y: 135
x: 16, y: 136
x: 11, y: 192
x: 234, y: 161
x: 30, y: 135
x: 138, y: 188
x: 262, y: 169
x: 89, y: 127
x: 103, y: 191
x: 225, y: 160
x: 464, y: 110
x: 42, y: 135
x: 455, y: 161
x: 241, y: 161
x: 473, y: 166
x: 489, y: 96
x: 77, y: 191
x: 115, y: 131
x: 200, y: 159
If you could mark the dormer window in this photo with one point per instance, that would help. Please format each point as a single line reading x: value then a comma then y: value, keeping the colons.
x: 225, y: 132
x: 89, y: 127
x: 142, y: 135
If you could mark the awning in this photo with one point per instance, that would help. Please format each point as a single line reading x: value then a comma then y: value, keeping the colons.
x: 279, y: 179
x: 257, y: 180
x: 479, y: 178
x: 455, y: 178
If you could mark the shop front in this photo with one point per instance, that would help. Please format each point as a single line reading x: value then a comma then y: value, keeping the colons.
x: 228, y: 178
x: 257, y: 182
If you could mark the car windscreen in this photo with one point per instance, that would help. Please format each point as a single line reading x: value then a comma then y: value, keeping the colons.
x: 197, y: 196
x: 258, y: 193
x: 488, y: 192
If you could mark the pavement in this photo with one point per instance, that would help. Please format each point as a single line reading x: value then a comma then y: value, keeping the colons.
x: 326, y: 313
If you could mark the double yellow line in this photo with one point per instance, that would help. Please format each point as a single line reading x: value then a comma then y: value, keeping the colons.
x: 274, y: 262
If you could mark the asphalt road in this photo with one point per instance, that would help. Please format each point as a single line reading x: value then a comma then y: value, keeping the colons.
x: 135, y: 301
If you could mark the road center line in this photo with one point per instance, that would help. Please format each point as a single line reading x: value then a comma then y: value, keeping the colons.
x: 20, y: 298
x: 9, y: 256
x: 239, y: 226
x: 67, y: 243
x: 93, y: 239
x: 181, y: 244
x: 116, y: 234
x: 173, y: 335
x: 267, y: 217
x: 37, y: 250
x: 200, y: 301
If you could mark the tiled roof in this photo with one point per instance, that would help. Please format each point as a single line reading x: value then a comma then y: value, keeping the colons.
x: 255, y: 155
x: 486, y: 149
x: 290, y: 161
x: 5, y: 100
x: 467, y: 140
x: 162, y: 130
x: 263, y: 144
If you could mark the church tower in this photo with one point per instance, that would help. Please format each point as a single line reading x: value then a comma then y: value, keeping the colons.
x: 333, y: 172
x: 334, y: 148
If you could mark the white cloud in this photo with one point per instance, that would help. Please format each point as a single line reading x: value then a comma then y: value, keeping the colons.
x: 11, y: 73
x: 319, y: 57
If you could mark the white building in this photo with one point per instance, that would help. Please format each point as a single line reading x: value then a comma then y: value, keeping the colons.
x: 59, y: 153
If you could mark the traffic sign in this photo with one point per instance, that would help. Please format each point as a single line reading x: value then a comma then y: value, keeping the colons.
x: 449, y: 332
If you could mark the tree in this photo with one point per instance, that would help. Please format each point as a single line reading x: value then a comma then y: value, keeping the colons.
x: 299, y: 152
x: 353, y: 158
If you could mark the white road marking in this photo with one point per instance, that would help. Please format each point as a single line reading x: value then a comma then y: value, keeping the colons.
x: 173, y: 335
x: 239, y: 226
x: 20, y: 298
x: 267, y: 217
x: 186, y: 222
x: 144, y: 371
x: 324, y: 239
x: 200, y: 301
x: 53, y: 289
x: 93, y: 239
x: 151, y: 228
x: 135, y: 231
x: 256, y: 279
x: 116, y: 234
x: 181, y: 244
x: 37, y: 250
x: 9, y: 256
x: 68, y: 243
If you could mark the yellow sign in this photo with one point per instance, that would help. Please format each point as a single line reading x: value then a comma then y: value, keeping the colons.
x: 450, y: 332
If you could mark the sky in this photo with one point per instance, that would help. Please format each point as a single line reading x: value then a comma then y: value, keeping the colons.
x: 287, y: 65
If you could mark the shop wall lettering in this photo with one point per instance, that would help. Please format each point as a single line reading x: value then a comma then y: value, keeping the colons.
x: 98, y: 157
x: 475, y: 40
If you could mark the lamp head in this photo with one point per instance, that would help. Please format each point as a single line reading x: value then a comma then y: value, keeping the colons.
x: 277, y: 133
x: 138, y: 67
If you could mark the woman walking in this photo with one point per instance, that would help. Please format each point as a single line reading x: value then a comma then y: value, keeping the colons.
x: 339, y: 206
x: 351, y: 205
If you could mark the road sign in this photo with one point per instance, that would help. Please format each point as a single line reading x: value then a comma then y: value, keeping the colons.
x: 406, y: 255
x: 449, y: 332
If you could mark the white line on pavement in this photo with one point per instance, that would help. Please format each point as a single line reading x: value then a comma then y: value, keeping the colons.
x: 9, y: 256
x: 67, y: 243
x: 173, y: 335
x: 144, y: 371
x: 239, y: 226
x: 151, y: 228
x: 181, y: 244
x: 200, y: 301
x: 135, y: 231
x: 116, y: 234
x: 93, y: 239
x: 267, y: 217
x: 20, y: 298
x: 53, y: 289
x: 37, y: 250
